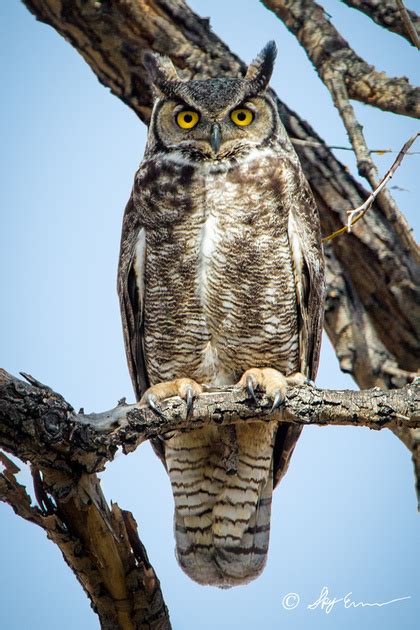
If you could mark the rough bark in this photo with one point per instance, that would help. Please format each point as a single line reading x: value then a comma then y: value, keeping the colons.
x: 343, y: 73
x: 386, y: 13
x: 327, y: 49
x: 100, y: 543
x: 39, y: 426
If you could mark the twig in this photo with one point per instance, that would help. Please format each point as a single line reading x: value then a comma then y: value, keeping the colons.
x: 365, y: 165
x: 315, y: 143
x: 356, y: 214
x: 408, y: 24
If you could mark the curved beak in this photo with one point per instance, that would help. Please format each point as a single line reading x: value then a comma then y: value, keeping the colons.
x: 215, y: 137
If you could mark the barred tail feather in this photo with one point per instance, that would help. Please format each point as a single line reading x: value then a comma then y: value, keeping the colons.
x: 222, y: 521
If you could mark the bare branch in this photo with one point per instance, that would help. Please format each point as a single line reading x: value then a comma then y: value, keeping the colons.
x: 347, y: 76
x: 315, y: 143
x: 389, y: 14
x: 358, y: 213
x: 337, y: 65
x: 329, y: 51
x: 100, y: 545
x: 36, y: 424
x: 365, y: 165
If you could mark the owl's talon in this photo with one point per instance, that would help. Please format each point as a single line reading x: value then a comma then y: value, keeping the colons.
x: 185, y: 388
x: 151, y: 402
x: 278, y: 399
x: 250, y: 388
x: 272, y: 382
x: 189, y: 400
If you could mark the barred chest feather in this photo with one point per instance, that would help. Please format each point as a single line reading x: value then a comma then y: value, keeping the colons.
x: 214, y: 267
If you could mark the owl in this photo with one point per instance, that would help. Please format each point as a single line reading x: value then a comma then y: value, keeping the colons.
x: 221, y: 282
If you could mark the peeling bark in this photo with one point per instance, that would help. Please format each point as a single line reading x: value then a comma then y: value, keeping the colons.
x: 99, y: 543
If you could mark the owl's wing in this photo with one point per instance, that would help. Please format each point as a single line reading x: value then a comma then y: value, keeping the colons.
x: 130, y: 292
x: 130, y: 289
x: 304, y: 233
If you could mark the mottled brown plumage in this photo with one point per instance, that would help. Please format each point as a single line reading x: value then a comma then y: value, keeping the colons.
x: 221, y: 280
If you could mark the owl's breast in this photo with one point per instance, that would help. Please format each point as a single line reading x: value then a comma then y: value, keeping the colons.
x: 246, y: 279
x: 219, y: 289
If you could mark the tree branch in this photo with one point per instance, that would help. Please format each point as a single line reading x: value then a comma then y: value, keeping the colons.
x: 358, y: 213
x: 38, y: 425
x: 372, y: 280
x: 387, y: 13
x: 99, y: 543
x: 329, y: 51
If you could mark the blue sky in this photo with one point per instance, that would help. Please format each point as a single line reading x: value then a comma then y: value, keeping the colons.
x: 345, y: 515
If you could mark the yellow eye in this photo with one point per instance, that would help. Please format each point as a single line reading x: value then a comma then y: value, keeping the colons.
x: 242, y: 117
x: 187, y: 119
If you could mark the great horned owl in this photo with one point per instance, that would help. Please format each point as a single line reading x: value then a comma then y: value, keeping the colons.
x: 221, y: 281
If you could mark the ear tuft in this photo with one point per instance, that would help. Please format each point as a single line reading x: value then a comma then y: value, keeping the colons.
x: 160, y: 68
x: 260, y: 70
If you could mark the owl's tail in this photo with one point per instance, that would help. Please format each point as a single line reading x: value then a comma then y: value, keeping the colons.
x: 222, y: 520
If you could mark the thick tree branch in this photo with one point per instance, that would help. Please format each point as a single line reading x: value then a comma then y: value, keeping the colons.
x: 99, y: 543
x: 39, y: 426
x: 387, y: 13
x: 65, y: 449
x: 329, y: 51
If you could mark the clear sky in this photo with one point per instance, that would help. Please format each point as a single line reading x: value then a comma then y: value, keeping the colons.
x: 345, y: 515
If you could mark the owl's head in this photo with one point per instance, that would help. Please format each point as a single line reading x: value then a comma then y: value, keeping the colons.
x: 212, y: 119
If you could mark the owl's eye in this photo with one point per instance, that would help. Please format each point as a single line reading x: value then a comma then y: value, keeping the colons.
x: 242, y: 117
x: 187, y: 119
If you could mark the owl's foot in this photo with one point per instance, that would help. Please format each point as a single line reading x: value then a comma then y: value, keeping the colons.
x: 272, y: 382
x: 185, y: 388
